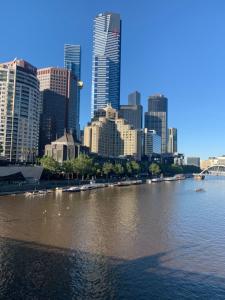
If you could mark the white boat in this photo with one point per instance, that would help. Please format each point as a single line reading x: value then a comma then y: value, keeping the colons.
x: 149, y: 181
x: 86, y: 187
x: 169, y: 178
x: 157, y: 180
x: 72, y: 189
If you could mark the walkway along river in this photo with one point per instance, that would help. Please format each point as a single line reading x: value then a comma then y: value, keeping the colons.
x: 156, y: 241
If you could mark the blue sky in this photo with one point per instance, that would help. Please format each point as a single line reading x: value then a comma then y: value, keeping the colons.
x: 174, y: 47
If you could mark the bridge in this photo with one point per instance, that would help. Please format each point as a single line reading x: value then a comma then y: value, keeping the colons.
x: 216, y: 170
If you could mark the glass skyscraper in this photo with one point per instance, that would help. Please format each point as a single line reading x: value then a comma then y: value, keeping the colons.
x: 106, y: 61
x: 157, y: 118
x: 72, y: 62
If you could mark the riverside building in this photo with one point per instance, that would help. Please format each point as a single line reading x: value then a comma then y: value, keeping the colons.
x: 19, y: 111
x: 59, y: 111
x: 151, y: 143
x: 133, y: 111
x: 72, y: 62
x: 109, y: 135
x: 172, y: 140
x: 193, y: 161
x: 106, y: 61
x: 157, y: 118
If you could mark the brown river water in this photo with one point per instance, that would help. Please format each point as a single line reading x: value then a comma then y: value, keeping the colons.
x: 152, y: 241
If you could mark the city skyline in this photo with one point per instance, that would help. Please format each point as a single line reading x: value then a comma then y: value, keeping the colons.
x: 183, y: 58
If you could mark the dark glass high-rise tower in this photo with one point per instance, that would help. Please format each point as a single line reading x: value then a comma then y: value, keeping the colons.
x: 106, y: 61
x: 72, y: 62
x: 157, y: 118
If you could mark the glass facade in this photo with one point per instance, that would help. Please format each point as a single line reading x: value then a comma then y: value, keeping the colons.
x: 106, y: 61
x: 72, y: 62
x: 157, y: 118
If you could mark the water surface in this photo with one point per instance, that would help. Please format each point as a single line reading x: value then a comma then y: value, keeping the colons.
x: 158, y: 241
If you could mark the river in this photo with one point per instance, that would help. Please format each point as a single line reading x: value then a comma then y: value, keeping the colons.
x: 152, y: 241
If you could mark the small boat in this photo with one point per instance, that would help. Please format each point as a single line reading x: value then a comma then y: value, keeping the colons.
x: 200, y: 190
x: 180, y: 177
x: 149, y: 181
x: 72, y: 189
x: 86, y: 187
x: 169, y: 178
x: 199, y: 176
x: 154, y: 180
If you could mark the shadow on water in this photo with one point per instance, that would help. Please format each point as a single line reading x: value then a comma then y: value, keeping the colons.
x: 34, y: 271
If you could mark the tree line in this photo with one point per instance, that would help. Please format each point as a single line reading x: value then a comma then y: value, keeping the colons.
x: 86, y: 167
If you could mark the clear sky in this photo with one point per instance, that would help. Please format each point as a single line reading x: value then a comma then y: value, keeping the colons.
x: 173, y: 47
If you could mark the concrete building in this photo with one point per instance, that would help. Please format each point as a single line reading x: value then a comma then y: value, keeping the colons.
x: 63, y: 148
x: 157, y: 118
x: 172, y: 140
x: 106, y: 61
x: 111, y: 136
x: 134, y: 98
x: 132, y: 114
x: 193, y: 161
x: 60, y: 106
x: 19, y: 111
x: 151, y: 142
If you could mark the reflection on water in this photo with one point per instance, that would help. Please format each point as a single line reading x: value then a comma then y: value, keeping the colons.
x: 159, y: 241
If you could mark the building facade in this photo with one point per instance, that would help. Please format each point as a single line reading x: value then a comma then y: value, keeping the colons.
x: 59, y: 110
x: 193, y: 161
x: 106, y: 61
x: 134, y: 98
x: 172, y: 140
x: 157, y: 118
x: 63, y: 148
x: 112, y: 136
x: 151, y: 142
x: 132, y: 114
x: 19, y: 111
x: 72, y: 62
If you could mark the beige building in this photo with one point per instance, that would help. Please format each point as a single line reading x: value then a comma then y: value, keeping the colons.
x: 111, y: 136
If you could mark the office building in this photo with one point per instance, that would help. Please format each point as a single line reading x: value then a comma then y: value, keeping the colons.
x: 58, y: 88
x: 106, y: 61
x: 72, y: 62
x: 151, y: 142
x: 134, y: 98
x: 19, y: 111
x: 193, y: 161
x: 157, y: 118
x: 132, y: 114
x: 172, y: 140
x: 111, y: 136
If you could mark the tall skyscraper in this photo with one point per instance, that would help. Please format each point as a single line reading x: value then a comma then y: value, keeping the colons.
x: 19, y: 113
x: 134, y: 98
x: 172, y: 140
x: 133, y: 112
x: 58, y: 88
x: 106, y: 61
x: 72, y: 62
x: 157, y: 117
x: 72, y: 59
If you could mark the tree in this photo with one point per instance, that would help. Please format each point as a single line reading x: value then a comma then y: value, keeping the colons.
x: 129, y: 168
x: 118, y: 169
x: 135, y: 167
x: 154, y: 169
x: 67, y: 168
x: 107, y: 168
x: 49, y: 164
x: 1, y: 149
x: 83, y: 165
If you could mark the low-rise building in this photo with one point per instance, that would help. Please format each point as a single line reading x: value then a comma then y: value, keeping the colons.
x: 193, y: 161
x: 63, y: 148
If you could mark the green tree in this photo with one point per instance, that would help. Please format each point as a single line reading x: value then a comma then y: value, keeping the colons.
x: 154, y: 169
x: 118, y: 169
x: 135, y: 167
x: 83, y: 165
x: 49, y: 164
x: 107, y: 168
x: 129, y: 168
x: 67, y: 168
